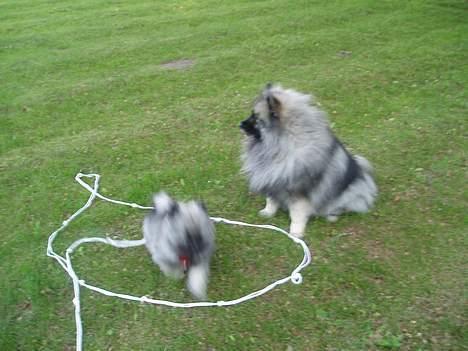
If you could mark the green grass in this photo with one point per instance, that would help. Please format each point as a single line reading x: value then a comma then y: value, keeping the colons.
x: 82, y: 88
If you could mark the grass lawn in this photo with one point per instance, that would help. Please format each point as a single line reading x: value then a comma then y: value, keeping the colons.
x: 90, y: 85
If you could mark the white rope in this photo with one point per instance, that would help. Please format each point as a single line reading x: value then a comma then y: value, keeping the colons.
x: 66, y: 262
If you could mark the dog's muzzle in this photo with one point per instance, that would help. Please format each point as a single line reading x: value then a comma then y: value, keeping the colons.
x: 249, y: 124
x: 244, y: 124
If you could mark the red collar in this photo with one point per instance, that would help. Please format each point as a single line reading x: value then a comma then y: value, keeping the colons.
x: 185, y: 261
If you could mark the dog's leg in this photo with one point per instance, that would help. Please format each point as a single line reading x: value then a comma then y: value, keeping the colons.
x: 270, y: 208
x: 332, y: 218
x: 197, y: 280
x: 300, y: 210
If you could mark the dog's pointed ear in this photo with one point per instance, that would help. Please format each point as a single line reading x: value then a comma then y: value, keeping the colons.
x: 274, y: 105
x: 163, y: 203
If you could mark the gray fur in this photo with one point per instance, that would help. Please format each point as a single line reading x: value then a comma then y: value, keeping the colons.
x: 176, y: 229
x: 298, y: 157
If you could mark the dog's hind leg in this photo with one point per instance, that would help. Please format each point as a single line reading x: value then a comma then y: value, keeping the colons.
x: 270, y: 209
x: 300, y: 210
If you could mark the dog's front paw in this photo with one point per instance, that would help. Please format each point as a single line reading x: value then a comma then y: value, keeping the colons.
x: 266, y: 213
x: 297, y: 229
x: 332, y: 219
x: 297, y: 234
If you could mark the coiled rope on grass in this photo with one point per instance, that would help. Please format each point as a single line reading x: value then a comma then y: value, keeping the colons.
x: 66, y: 262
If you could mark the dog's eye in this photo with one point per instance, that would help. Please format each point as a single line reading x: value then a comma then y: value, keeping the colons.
x: 260, y: 122
x: 256, y: 118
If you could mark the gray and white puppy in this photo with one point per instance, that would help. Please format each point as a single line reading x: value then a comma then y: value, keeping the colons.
x: 292, y: 157
x: 181, y: 239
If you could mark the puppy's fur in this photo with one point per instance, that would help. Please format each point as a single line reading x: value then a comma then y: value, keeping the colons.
x: 292, y: 157
x: 181, y: 239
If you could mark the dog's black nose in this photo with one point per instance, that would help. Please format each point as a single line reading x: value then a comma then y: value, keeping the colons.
x: 247, y: 123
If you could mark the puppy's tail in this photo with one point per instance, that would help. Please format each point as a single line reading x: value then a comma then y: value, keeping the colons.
x: 197, y: 280
x: 364, y: 164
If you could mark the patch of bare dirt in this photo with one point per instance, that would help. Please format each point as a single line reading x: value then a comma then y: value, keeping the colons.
x: 178, y: 64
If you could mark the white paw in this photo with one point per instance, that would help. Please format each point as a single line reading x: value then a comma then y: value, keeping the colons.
x: 297, y: 229
x: 332, y: 219
x: 297, y: 234
x: 266, y: 213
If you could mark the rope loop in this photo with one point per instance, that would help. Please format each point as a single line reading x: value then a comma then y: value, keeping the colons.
x: 66, y: 262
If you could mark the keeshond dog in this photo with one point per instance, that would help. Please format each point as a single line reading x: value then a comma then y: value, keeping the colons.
x: 292, y: 157
x: 181, y: 240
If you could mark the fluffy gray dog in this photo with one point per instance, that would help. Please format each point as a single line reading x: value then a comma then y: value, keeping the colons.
x: 292, y: 157
x: 181, y: 239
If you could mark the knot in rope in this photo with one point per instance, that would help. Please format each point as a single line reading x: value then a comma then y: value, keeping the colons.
x: 296, y: 278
